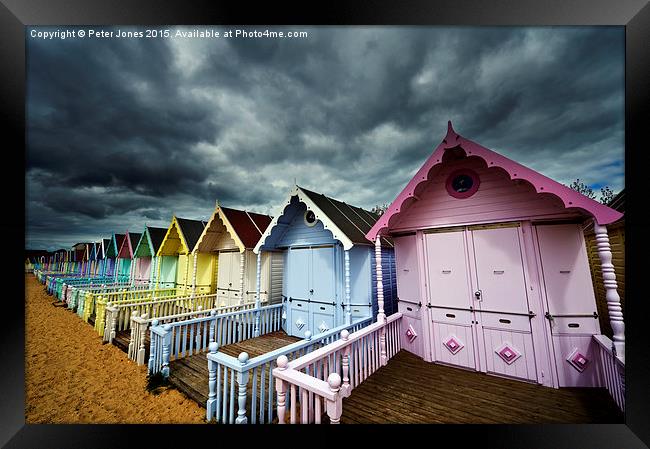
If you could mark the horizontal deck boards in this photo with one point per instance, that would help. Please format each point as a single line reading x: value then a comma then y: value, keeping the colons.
x: 190, y: 374
x: 410, y: 390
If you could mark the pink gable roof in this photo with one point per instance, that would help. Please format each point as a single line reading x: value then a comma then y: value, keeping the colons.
x: 542, y: 184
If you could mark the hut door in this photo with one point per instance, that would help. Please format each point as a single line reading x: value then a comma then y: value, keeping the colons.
x: 571, y: 303
x: 310, y: 290
x: 226, y: 286
x: 452, y: 321
x: 298, y: 274
x: 501, y: 303
x: 321, y: 295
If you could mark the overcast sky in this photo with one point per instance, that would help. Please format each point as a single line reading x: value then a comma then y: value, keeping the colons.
x: 123, y: 132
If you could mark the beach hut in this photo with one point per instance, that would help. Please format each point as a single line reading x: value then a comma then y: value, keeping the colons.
x: 175, y: 262
x: 112, y: 250
x: 225, y: 262
x: 328, y: 276
x: 492, y: 269
x: 125, y: 255
x: 144, y: 272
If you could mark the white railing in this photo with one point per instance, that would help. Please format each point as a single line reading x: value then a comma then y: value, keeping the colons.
x: 224, y: 370
x: 611, y: 370
x: 140, y: 323
x: 175, y: 340
x: 78, y: 294
x: 118, y: 314
x: 317, y: 382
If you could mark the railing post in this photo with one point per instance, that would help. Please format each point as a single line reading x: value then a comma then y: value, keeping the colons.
x: 281, y: 389
x: 611, y: 295
x: 213, y: 325
x: 133, y: 341
x: 345, y: 366
x: 167, y: 342
x: 142, y: 335
x: 348, y: 307
x: 258, y: 290
x: 210, y: 406
x: 381, y: 316
x: 242, y: 381
x: 111, y: 322
x: 242, y: 262
x: 152, y: 346
x: 335, y: 407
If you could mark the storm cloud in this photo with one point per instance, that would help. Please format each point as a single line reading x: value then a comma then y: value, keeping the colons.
x: 123, y: 132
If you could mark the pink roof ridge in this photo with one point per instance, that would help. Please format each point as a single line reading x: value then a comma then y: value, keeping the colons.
x: 542, y: 184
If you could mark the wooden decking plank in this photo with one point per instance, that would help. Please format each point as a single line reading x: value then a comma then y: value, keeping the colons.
x: 190, y: 374
x: 409, y: 388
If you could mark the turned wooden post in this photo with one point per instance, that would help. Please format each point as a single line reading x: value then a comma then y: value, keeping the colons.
x: 242, y: 263
x: 335, y: 407
x: 345, y: 365
x: 143, y: 334
x: 381, y: 316
x: 152, y: 346
x: 167, y: 341
x: 348, y: 307
x: 194, y: 274
x: 258, y: 289
x: 213, y: 325
x: 611, y: 295
x: 242, y: 381
x: 281, y: 389
x: 210, y: 406
x: 133, y: 339
x: 113, y: 321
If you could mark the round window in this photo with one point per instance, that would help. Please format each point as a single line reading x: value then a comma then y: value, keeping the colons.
x: 310, y: 218
x: 462, y: 183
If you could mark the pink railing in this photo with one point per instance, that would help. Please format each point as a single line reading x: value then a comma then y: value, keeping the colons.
x: 317, y: 382
x: 611, y: 370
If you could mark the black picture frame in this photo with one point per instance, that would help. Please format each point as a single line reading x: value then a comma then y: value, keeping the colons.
x: 15, y: 15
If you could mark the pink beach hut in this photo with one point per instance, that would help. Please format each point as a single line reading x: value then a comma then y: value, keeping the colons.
x: 492, y: 269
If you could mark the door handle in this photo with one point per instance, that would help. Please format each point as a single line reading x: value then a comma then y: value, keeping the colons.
x: 477, y: 294
x: 311, y: 291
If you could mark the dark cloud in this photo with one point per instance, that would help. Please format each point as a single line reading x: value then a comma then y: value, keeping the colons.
x: 126, y: 131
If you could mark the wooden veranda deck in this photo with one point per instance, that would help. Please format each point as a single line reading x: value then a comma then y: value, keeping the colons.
x: 410, y: 390
x: 190, y: 374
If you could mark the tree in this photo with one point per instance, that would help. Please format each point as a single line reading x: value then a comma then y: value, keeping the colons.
x: 606, y: 193
x: 583, y: 188
x: 379, y: 209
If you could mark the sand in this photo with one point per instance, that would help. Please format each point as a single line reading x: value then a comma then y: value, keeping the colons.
x: 71, y: 377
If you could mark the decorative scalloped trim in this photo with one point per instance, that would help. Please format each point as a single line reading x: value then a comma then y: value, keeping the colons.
x: 320, y: 215
x: 570, y: 198
x: 229, y: 228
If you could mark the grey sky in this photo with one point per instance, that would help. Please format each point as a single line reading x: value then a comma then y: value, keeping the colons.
x: 126, y: 131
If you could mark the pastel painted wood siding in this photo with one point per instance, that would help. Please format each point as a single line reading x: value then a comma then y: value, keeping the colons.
x: 142, y: 270
x: 167, y: 269
x: 616, y: 233
x: 184, y: 268
x: 298, y: 233
x: 497, y: 199
x: 206, y: 272
x: 276, y: 271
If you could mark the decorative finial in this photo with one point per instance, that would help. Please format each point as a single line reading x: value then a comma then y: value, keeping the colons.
x: 216, y: 203
x: 452, y: 136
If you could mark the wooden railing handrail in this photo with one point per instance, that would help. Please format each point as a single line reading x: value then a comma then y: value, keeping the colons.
x: 160, y: 330
x: 159, y: 300
x: 235, y: 364
x: 323, y: 352
x: 148, y: 320
x: 309, y: 383
x: 606, y: 343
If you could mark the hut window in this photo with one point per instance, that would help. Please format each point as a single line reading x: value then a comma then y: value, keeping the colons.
x: 310, y: 218
x: 462, y: 183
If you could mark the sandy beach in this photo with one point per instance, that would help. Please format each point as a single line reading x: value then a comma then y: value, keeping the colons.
x: 71, y: 377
